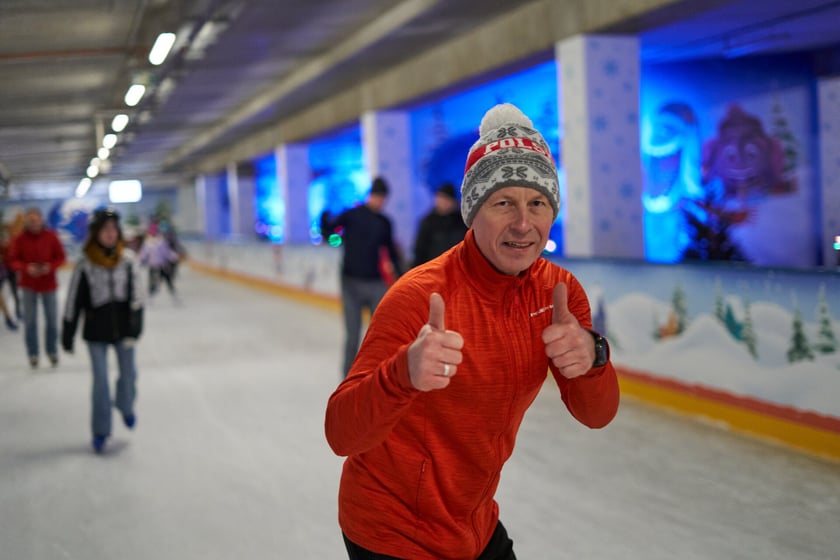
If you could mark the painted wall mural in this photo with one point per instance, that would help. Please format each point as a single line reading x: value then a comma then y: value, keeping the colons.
x: 728, y: 150
x: 769, y: 334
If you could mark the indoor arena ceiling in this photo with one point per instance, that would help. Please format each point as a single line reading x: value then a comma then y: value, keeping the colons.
x: 66, y: 66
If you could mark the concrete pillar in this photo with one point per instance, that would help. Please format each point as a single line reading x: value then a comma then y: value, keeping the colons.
x: 386, y: 142
x: 599, y: 100
x: 293, y: 178
x: 829, y: 176
x: 190, y: 215
x: 211, y: 201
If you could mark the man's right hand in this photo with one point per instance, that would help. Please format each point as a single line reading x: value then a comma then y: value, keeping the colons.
x: 434, y: 355
x: 34, y: 269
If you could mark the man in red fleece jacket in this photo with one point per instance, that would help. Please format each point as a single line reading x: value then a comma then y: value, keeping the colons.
x: 455, y: 354
x: 35, y: 254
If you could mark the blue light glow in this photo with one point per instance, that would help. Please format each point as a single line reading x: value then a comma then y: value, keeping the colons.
x: 340, y: 179
x: 269, y: 204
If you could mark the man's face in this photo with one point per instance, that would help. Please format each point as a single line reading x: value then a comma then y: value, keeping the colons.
x: 511, y: 228
x: 33, y: 221
x: 444, y: 204
x: 376, y: 201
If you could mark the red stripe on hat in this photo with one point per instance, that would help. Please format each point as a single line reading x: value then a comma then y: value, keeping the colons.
x: 510, y: 142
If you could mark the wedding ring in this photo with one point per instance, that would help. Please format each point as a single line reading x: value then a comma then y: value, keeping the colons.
x: 445, y: 370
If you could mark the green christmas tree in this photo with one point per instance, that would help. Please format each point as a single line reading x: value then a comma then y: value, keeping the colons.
x: 747, y: 331
x: 680, y: 308
x: 799, y: 348
x: 733, y: 325
x: 781, y: 130
x: 826, y: 341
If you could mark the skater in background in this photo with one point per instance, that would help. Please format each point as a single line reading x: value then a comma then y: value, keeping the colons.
x: 442, y: 228
x: 456, y: 353
x: 367, y: 233
x: 159, y: 257
x: 168, y: 231
x: 107, y: 288
x: 35, y: 255
x: 6, y: 272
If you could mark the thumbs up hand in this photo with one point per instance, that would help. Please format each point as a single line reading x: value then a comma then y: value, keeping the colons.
x: 434, y: 355
x: 569, y: 346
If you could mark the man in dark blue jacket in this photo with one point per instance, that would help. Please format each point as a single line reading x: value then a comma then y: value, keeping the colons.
x: 368, y: 245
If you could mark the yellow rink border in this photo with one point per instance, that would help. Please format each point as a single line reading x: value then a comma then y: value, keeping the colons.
x: 330, y: 303
x: 814, y: 440
x: 801, y: 436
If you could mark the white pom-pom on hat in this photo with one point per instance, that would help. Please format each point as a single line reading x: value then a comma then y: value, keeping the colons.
x: 501, y: 115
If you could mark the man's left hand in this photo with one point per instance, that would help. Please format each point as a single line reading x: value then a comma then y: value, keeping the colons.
x: 569, y: 346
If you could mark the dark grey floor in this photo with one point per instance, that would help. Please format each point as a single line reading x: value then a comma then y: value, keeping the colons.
x: 229, y: 460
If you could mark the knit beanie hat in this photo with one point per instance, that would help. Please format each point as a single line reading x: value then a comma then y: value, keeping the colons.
x: 510, y: 152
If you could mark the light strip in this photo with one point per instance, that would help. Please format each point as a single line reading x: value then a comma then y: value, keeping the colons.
x: 83, y: 187
x: 161, y: 48
x: 109, y: 141
x: 119, y: 123
x: 134, y: 94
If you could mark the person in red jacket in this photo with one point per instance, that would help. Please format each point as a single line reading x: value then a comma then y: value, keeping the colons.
x: 455, y: 354
x: 35, y: 255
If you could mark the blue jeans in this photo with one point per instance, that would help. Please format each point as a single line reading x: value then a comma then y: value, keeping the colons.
x: 30, y: 321
x: 126, y: 384
x: 357, y: 293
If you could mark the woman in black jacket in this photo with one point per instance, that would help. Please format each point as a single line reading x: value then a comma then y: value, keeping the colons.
x: 107, y: 288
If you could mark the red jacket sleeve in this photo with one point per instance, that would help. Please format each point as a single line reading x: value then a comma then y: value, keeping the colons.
x: 591, y: 398
x: 368, y: 404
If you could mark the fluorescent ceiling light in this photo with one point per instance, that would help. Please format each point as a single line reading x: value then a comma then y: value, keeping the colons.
x: 119, y: 123
x: 109, y: 141
x: 134, y: 94
x: 129, y: 190
x: 92, y: 171
x: 161, y: 48
x: 103, y: 153
x: 82, y: 188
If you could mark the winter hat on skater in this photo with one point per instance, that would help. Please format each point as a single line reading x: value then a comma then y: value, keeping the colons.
x: 510, y: 152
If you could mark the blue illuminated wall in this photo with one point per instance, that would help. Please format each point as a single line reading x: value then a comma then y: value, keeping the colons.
x: 443, y: 131
x: 268, y: 200
x: 340, y: 179
x: 728, y: 156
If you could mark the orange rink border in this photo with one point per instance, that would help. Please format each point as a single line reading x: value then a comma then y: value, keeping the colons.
x: 331, y: 303
x: 805, y: 431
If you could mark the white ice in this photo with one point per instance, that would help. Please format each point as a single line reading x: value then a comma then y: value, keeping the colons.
x: 228, y: 459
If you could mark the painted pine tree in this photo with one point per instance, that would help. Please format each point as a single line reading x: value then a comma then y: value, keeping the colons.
x: 799, y: 348
x: 680, y: 308
x: 782, y: 131
x: 733, y: 325
x: 826, y: 341
x: 747, y: 331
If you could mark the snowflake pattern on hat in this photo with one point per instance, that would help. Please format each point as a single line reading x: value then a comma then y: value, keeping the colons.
x: 509, y: 153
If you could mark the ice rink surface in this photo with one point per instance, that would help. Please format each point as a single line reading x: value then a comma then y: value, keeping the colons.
x: 229, y: 461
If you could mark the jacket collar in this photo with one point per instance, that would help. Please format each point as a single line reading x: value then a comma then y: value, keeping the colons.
x: 483, y: 277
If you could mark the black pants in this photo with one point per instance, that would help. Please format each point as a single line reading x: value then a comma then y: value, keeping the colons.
x: 500, y: 547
